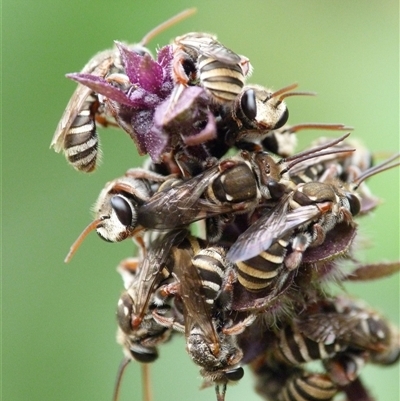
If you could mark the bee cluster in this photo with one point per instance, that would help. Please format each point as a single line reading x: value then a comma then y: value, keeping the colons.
x: 250, y: 286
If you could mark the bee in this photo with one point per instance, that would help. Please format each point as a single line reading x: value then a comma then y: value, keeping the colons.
x: 308, y: 387
x: 301, y: 218
x: 149, y: 287
x: 76, y: 133
x: 116, y: 208
x: 294, y: 385
x: 234, y: 185
x: 304, y: 216
x: 255, y: 112
x: 200, y: 58
x: 211, y: 193
x: 351, y: 323
x: 210, y: 336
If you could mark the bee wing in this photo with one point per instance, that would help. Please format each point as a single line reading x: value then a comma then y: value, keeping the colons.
x: 217, y: 51
x: 331, y: 327
x: 151, y: 269
x: 209, y: 47
x: 270, y: 228
x: 197, y: 313
x: 99, y: 65
x: 181, y: 204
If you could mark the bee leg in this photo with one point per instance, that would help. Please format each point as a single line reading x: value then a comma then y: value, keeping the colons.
x: 346, y: 216
x: 184, y: 69
x: 318, y: 235
x: 332, y: 172
x: 239, y: 328
x: 168, y: 290
x: 140, y: 173
x: 168, y: 322
x: 298, y: 246
x: 346, y: 366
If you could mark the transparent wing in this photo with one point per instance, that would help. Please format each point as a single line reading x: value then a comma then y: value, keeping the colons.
x: 207, y: 46
x: 197, y: 312
x: 99, y: 65
x: 151, y: 269
x: 181, y: 204
x: 270, y: 228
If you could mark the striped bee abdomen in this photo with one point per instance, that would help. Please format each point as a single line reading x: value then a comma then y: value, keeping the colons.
x: 308, y: 387
x: 81, y: 142
x: 223, y: 81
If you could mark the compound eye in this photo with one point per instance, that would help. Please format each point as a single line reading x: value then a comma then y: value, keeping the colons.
x: 122, y: 209
x: 235, y: 374
x: 147, y: 355
x: 283, y: 119
x: 355, y: 205
x: 248, y: 104
x: 276, y: 189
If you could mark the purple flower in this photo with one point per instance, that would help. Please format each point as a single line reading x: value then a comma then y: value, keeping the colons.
x: 146, y: 104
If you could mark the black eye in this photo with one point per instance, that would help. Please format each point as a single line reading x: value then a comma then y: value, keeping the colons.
x: 248, y: 104
x: 282, y: 121
x: 122, y: 210
x: 235, y: 374
x: 355, y: 205
x: 276, y: 189
x: 147, y: 355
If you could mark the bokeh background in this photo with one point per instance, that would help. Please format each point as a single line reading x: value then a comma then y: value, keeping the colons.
x: 59, y: 320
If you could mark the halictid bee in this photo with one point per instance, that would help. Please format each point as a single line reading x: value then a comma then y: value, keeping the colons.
x: 255, y: 112
x: 235, y: 185
x: 200, y: 59
x: 209, y: 331
x: 301, y: 219
x: 76, y: 133
x: 144, y: 279
x: 116, y: 208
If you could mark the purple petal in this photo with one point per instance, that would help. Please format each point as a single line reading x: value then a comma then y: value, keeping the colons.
x: 141, y: 70
x: 165, y: 56
x: 99, y: 85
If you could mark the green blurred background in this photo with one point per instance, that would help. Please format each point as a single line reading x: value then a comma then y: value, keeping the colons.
x: 58, y: 320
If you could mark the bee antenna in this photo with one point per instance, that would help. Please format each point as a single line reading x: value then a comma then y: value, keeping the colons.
x: 121, y: 369
x: 166, y: 24
x: 74, y: 247
x: 314, y: 152
x: 296, y: 94
x: 331, y: 127
x: 281, y: 91
x: 377, y: 169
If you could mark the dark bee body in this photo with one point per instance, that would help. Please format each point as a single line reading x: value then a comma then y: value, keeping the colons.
x: 308, y: 387
x: 284, y: 383
x: 199, y: 56
x: 210, y: 343
x: 208, y: 194
x: 139, y: 333
x: 233, y: 186
x: 117, y: 206
x: 81, y: 144
x: 76, y: 132
x: 300, y: 219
